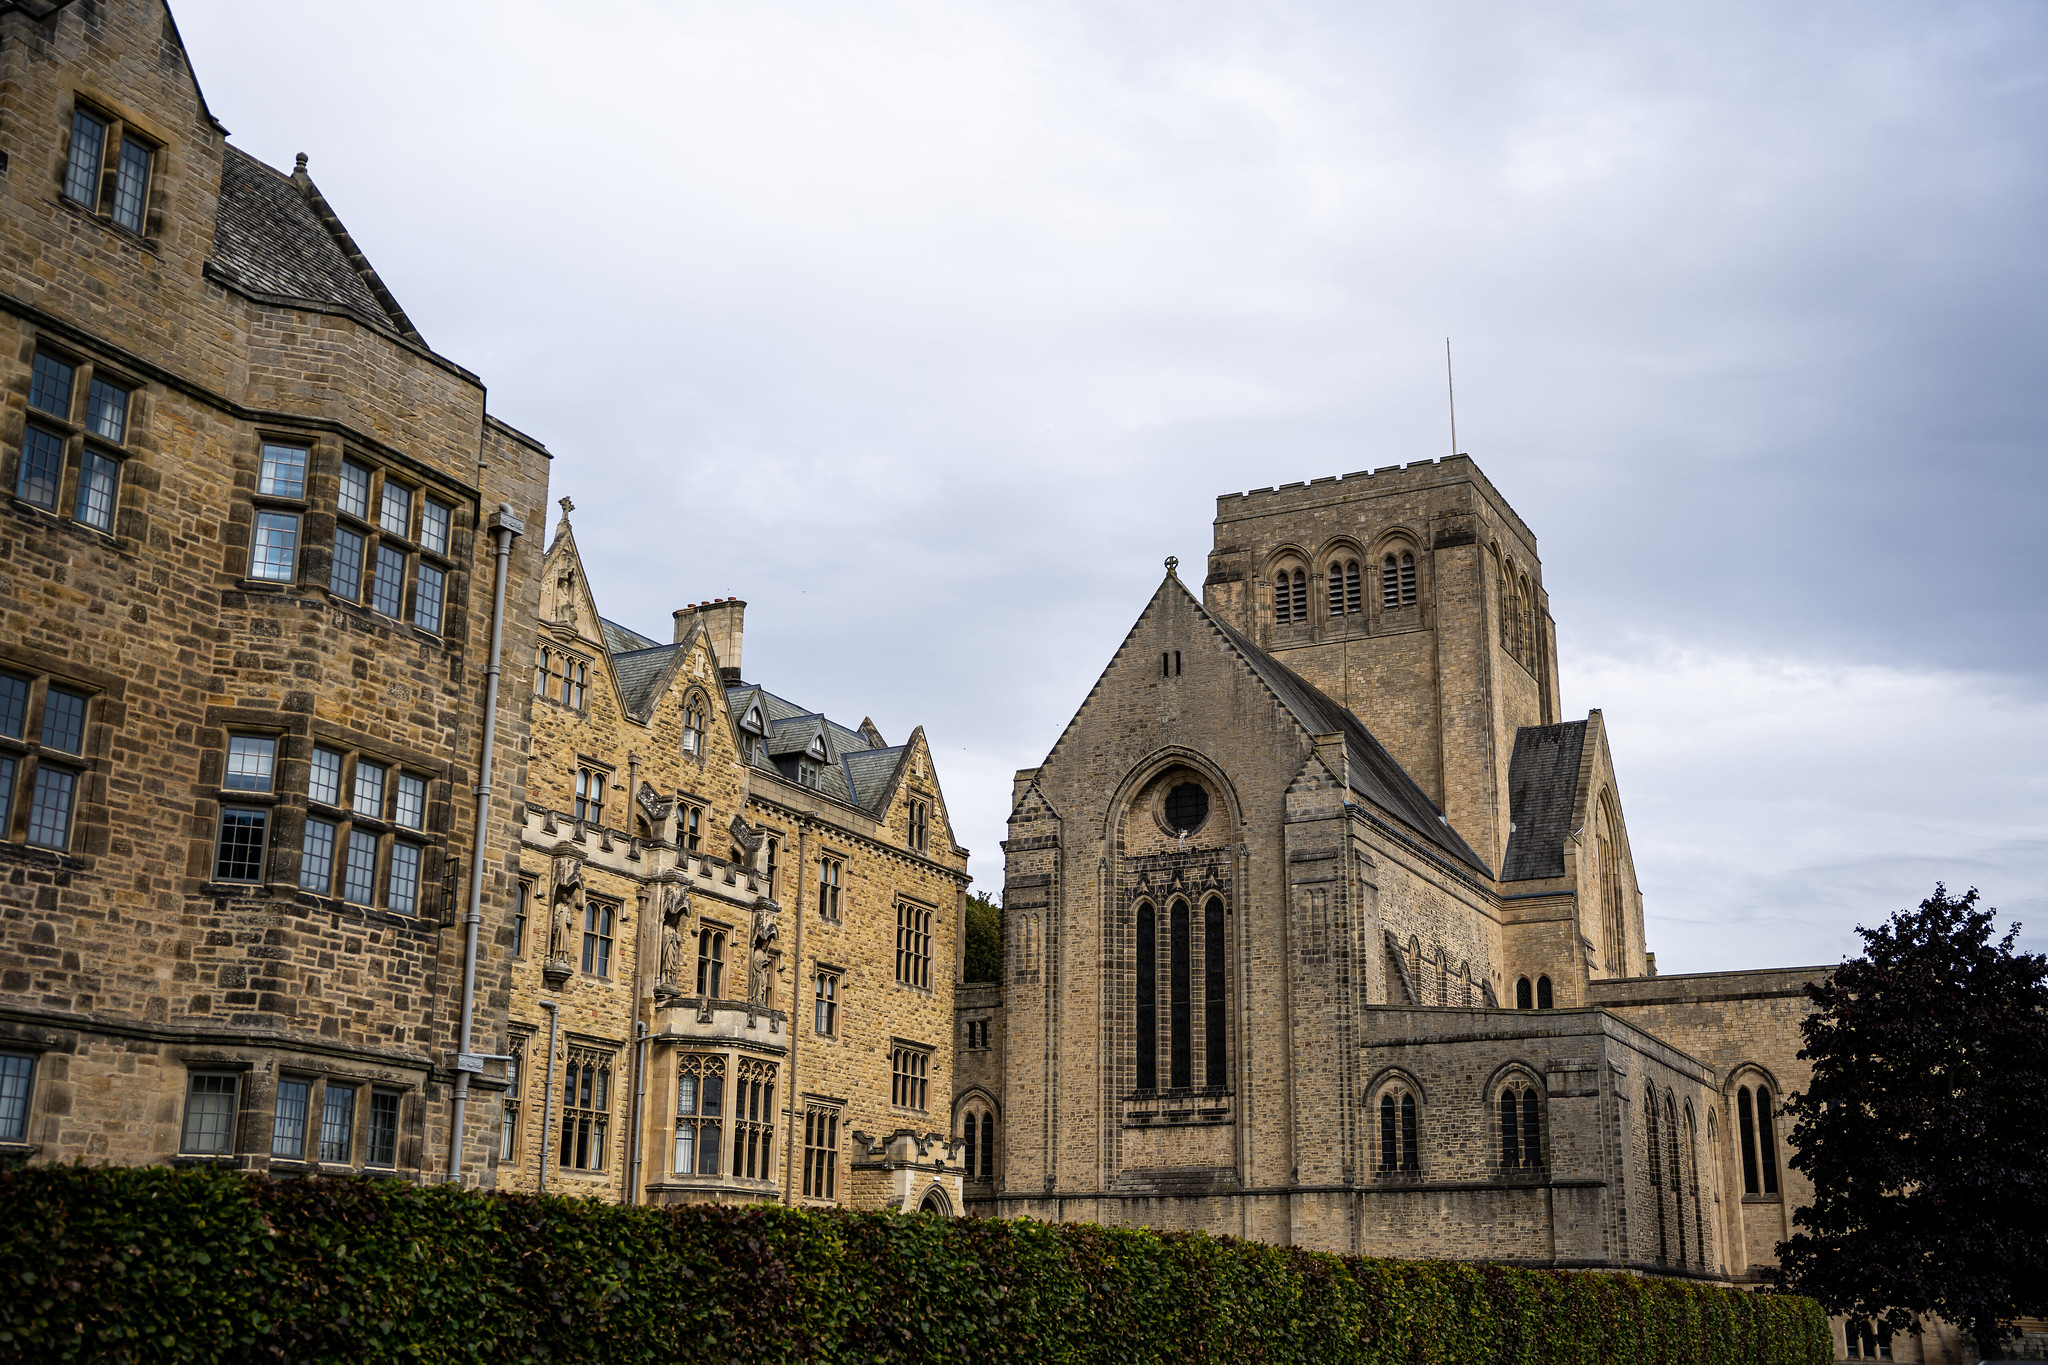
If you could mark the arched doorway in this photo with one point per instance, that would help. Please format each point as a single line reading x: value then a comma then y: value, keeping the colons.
x: 935, y: 1201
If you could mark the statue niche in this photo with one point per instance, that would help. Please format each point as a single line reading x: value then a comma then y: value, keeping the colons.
x: 764, y: 968
x: 566, y: 901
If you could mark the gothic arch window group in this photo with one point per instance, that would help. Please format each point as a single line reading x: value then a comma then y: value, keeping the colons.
x: 1757, y: 1130
x: 978, y: 1140
x: 1290, y: 595
x: 1534, y: 996
x: 1520, y: 633
x: 1613, y: 902
x: 1521, y: 1126
x: 1400, y: 1145
x: 1347, y: 597
x: 1671, y: 1149
x: 1397, y: 579
x: 1175, y: 949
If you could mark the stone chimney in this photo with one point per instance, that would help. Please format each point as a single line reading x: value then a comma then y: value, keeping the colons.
x: 725, y: 622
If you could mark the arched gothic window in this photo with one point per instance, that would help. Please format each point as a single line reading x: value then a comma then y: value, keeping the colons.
x: 1656, y: 1168
x: 1398, y: 1146
x: 1678, y: 1164
x: 1397, y: 580
x: 1443, y: 977
x: 1699, y: 1222
x: 693, y: 725
x: 540, y: 671
x: 1290, y: 596
x: 1543, y: 995
x: 978, y: 1131
x: 1759, y: 1141
x: 1148, y: 1004
x: 1521, y: 1128
x: 1215, y: 1051
x: 1525, y: 998
x: 1345, y: 596
x: 1180, y: 1028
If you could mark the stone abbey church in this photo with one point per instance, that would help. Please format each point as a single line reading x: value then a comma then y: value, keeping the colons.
x: 1321, y: 926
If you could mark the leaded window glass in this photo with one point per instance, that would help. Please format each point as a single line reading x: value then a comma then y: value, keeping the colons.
x: 82, y: 166
x: 434, y: 522
x: 410, y: 809
x: 99, y: 482
x: 64, y: 720
x: 274, y: 552
x: 316, y: 857
x: 404, y: 891
x: 288, y: 1127
x: 49, y: 809
x: 17, y: 1083
x: 131, y: 184
x: 359, y: 873
x: 345, y: 578
x: 369, y: 793
x: 426, y: 598
x: 387, y: 582
x: 209, y: 1128
x: 106, y: 411
x: 251, y: 761
x: 240, y: 856
x: 42, y: 468
x: 394, y: 513
x: 383, y: 1128
x: 323, y: 782
x: 337, y: 1122
x: 355, y: 490
x: 284, y: 472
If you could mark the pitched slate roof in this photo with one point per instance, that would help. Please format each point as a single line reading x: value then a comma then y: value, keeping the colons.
x: 1375, y: 774
x: 271, y: 236
x: 623, y: 640
x: 1543, y: 789
x: 638, y: 672
x: 854, y: 771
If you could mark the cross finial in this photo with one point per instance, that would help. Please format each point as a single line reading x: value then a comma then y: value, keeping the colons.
x: 1172, y: 564
x: 567, y: 507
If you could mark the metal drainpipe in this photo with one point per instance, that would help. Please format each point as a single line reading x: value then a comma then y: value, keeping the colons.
x: 505, y: 527
x: 796, y: 1001
x: 547, y: 1108
x: 639, y: 1101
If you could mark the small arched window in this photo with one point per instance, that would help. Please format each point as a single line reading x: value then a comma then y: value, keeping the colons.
x: 1525, y: 998
x: 1290, y: 596
x: 1148, y: 1000
x: 1397, y: 580
x: 693, y: 726
x: 978, y: 1130
x: 1543, y: 996
x: 1344, y: 594
x: 1398, y: 1137
x: 540, y: 671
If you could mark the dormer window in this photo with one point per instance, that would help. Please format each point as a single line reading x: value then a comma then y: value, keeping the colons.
x: 752, y: 720
x: 125, y: 196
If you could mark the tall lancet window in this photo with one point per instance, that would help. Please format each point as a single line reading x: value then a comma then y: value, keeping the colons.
x: 1148, y: 1006
x: 1181, y: 1033
x: 1212, y: 993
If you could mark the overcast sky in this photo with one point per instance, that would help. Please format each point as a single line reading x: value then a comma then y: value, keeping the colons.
x: 930, y: 329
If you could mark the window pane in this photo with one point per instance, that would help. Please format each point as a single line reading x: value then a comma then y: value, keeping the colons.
x: 13, y: 704
x: 6, y: 791
x: 49, y: 811
x: 82, y: 170
x: 275, y: 555
x: 106, y: 411
x: 49, y: 385
x: 241, y: 845
x: 369, y: 789
x: 426, y: 599
x: 434, y: 519
x: 251, y: 759
x: 412, y: 801
x: 405, y: 879
x: 383, y: 1127
x: 98, y: 480
x: 316, y: 858
x: 209, y: 1114
x: 395, y: 513
x: 337, y: 1123
x: 355, y: 489
x: 42, y: 468
x: 359, y: 877
x: 131, y: 185
x: 64, y: 720
x: 345, y: 578
x: 284, y: 472
x: 17, y: 1078
x: 323, y: 784
x: 387, y: 585
x: 288, y: 1134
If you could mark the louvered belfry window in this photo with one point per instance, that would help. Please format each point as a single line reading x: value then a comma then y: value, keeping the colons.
x: 1290, y: 596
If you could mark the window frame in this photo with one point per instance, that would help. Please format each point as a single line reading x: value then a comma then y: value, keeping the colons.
x: 825, y: 987
x: 592, y: 1128
x: 28, y: 758
x: 910, y: 1066
x: 231, y: 1138
x: 15, y: 1128
x: 76, y: 439
x: 600, y: 927
x: 914, y: 944
x: 340, y: 820
x: 705, y: 1115
x: 711, y: 960
x: 109, y: 177
x: 831, y: 873
x: 821, y: 1151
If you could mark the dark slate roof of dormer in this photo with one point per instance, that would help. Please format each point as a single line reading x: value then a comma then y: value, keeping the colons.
x: 854, y: 771
x: 623, y: 640
x: 274, y: 236
x: 1375, y: 774
x: 1543, y: 789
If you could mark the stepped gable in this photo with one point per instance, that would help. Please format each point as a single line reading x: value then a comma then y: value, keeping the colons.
x: 1543, y: 787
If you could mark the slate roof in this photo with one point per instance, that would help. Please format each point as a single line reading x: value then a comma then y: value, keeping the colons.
x: 854, y: 771
x: 622, y: 640
x: 1375, y: 774
x: 269, y: 238
x: 639, y: 671
x: 1543, y: 789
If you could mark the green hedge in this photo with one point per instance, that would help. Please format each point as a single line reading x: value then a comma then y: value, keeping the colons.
x: 153, y: 1264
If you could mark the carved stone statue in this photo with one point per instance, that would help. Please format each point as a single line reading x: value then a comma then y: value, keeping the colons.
x: 675, y: 908
x: 766, y: 964
x: 568, y: 890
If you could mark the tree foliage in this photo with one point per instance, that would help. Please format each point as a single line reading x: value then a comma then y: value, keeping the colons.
x: 1925, y: 1129
x: 146, y: 1264
x: 984, y: 939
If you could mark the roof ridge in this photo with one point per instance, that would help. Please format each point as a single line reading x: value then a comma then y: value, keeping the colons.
x: 360, y: 263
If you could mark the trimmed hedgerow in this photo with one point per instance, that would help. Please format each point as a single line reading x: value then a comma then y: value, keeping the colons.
x: 153, y: 1264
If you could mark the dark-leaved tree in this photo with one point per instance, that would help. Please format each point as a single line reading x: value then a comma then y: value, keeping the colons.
x: 1925, y: 1129
x: 984, y: 939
